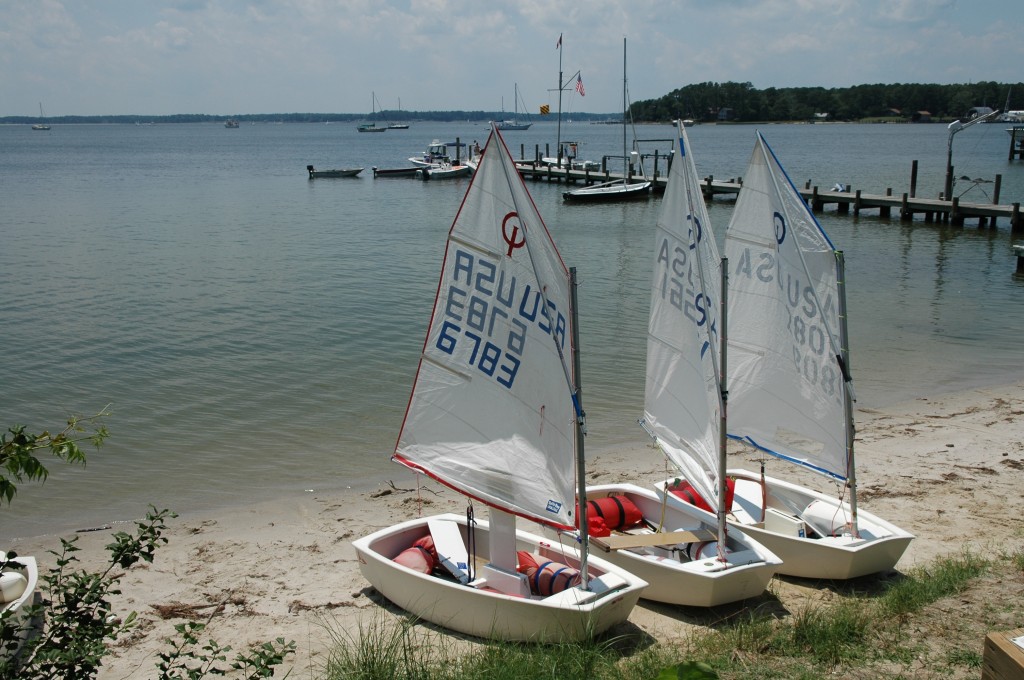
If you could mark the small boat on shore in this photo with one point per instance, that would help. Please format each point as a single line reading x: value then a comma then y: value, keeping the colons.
x: 336, y: 172
x: 490, y: 579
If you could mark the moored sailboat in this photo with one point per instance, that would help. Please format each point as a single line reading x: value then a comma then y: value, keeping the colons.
x: 513, y: 123
x: 618, y: 189
x: 495, y: 414
x: 41, y: 125
x: 791, y: 391
x: 372, y: 126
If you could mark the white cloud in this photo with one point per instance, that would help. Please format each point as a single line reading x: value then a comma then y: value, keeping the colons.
x: 234, y: 56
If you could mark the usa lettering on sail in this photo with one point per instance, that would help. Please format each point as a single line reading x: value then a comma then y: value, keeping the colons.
x: 487, y: 315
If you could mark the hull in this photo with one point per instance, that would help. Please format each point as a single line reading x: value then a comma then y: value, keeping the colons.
x: 18, y: 603
x: 447, y: 172
x: 396, y: 172
x: 608, y: 192
x: 345, y: 172
x: 671, y: 575
x: 510, y: 125
x: 489, y: 614
x: 792, y: 510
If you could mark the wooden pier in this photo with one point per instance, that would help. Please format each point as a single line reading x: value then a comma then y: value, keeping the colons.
x: 846, y: 201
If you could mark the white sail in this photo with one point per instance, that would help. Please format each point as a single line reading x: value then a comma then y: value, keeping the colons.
x: 682, y: 403
x: 491, y: 412
x: 786, y: 386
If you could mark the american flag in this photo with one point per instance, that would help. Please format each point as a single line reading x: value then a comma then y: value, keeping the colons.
x: 559, y: 43
x: 579, y: 86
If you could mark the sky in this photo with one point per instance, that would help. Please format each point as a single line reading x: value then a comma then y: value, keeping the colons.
x: 225, y: 57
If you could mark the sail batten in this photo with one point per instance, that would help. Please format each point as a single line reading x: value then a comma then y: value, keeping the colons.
x: 787, y: 389
x: 484, y: 417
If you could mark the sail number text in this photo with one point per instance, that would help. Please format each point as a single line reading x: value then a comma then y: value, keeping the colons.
x: 486, y: 317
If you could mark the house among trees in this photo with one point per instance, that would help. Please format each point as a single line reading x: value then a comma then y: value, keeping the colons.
x: 921, y: 117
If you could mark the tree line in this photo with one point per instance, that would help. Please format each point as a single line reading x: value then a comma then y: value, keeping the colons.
x: 710, y: 101
x: 743, y: 102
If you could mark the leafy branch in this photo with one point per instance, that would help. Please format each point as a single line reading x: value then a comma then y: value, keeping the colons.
x: 18, y: 449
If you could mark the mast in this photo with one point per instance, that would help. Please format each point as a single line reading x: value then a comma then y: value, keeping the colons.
x: 848, y: 396
x: 558, y: 135
x: 581, y: 431
x: 723, y: 390
x: 625, y: 158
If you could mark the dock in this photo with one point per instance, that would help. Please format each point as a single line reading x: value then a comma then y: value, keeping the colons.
x: 846, y: 201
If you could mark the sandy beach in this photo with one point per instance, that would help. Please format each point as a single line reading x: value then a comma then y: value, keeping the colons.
x: 948, y: 468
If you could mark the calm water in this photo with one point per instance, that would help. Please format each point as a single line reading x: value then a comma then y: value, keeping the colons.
x: 256, y: 333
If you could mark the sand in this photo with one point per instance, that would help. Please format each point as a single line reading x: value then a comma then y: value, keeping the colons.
x: 947, y: 468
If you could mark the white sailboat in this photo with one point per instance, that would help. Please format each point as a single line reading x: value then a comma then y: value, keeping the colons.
x: 618, y: 189
x: 790, y: 389
x: 513, y: 123
x: 41, y: 125
x: 372, y: 126
x: 495, y: 415
x: 686, y: 554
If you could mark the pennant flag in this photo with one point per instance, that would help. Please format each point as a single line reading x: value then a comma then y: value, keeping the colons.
x: 579, y: 86
x: 559, y: 44
x: 545, y: 109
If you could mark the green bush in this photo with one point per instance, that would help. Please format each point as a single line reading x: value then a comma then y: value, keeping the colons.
x: 71, y: 630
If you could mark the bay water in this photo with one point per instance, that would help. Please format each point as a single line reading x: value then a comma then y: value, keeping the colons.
x: 256, y: 333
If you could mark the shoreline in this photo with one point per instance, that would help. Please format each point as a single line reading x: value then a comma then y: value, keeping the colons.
x: 943, y: 467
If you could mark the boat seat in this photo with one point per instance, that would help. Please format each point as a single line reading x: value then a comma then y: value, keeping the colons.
x: 451, y: 548
x: 623, y: 541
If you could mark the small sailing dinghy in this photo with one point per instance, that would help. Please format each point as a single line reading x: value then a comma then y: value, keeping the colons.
x: 790, y: 390
x: 699, y: 561
x: 495, y: 414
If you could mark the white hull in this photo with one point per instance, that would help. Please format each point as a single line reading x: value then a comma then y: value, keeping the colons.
x: 27, y: 568
x: 507, y: 125
x: 813, y: 555
x: 489, y: 614
x: 616, y: 190
x: 673, y: 577
x: 447, y: 171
